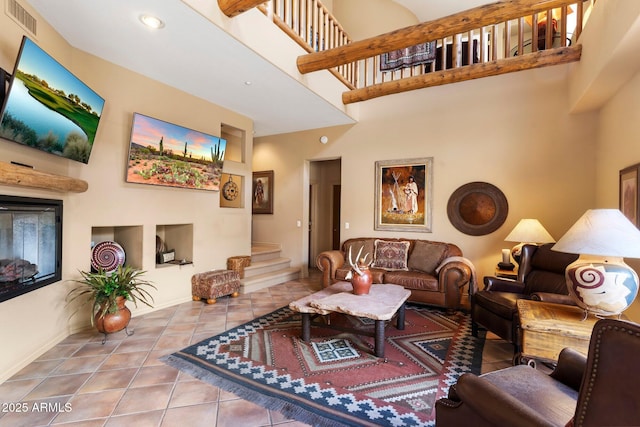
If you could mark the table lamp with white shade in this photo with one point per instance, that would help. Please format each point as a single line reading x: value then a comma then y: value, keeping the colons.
x: 600, y: 281
x: 527, y: 231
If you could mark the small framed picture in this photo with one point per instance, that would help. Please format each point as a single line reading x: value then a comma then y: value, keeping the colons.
x: 262, y: 196
x: 629, y: 199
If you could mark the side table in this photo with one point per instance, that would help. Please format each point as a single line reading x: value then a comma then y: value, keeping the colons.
x: 546, y: 328
x: 507, y: 274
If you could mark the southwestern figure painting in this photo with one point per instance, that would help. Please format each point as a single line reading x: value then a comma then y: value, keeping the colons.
x: 403, y: 195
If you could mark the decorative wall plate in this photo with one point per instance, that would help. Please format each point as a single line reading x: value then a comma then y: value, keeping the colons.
x: 230, y: 189
x: 477, y: 208
x: 107, y: 255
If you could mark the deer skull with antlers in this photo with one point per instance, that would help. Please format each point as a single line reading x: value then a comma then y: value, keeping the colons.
x: 360, y: 262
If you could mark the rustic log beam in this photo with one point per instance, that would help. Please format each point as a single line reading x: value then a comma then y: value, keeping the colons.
x: 27, y: 177
x: 425, y: 32
x: 543, y: 58
x: 232, y: 8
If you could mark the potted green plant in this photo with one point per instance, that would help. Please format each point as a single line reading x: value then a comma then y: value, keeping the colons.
x: 107, y: 293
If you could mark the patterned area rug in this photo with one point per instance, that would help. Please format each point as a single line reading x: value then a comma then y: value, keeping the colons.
x: 335, y: 379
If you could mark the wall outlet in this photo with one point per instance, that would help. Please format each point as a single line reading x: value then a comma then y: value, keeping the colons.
x: 346, y: 225
x: 298, y: 223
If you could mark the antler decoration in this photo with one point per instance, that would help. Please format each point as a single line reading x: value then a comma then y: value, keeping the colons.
x: 363, y: 261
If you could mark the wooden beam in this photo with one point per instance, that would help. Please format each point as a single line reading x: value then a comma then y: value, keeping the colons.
x: 543, y: 58
x: 232, y: 8
x: 27, y: 177
x: 425, y: 32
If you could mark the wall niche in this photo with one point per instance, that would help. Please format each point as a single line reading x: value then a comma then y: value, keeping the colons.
x: 236, y: 143
x: 127, y: 236
x: 174, y: 244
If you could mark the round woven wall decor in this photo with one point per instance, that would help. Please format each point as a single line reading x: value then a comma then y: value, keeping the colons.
x: 477, y: 208
x: 107, y: 256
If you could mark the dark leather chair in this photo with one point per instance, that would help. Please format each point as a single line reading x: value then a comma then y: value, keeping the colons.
x: 598, y: 390
x: 540, y: 277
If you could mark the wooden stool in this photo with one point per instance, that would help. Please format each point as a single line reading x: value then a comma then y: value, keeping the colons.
x: 215, y: 284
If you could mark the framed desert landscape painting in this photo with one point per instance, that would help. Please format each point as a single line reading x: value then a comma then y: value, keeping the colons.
x: 262, y: 196
x: 629, y: 198
x: 403, y: 194
x: 162, y: 153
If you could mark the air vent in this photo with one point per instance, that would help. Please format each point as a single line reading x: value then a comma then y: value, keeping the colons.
x: 22, y: 17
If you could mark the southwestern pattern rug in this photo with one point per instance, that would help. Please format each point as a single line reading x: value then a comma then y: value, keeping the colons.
x: 335, y: 380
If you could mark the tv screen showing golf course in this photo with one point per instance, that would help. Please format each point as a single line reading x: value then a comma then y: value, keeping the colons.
x: 48, y: 108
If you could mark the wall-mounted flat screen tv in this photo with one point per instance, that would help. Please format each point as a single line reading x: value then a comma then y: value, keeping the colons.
x: 48, y: 108
x: 163, y: 153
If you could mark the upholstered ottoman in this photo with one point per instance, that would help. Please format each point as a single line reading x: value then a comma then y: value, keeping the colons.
x: 214, y: 284
x: 238, y: 263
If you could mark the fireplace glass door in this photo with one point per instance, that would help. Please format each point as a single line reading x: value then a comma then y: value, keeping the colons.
x: 30, y: 244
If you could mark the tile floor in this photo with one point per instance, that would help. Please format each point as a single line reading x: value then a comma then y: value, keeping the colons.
x: 81, y: 382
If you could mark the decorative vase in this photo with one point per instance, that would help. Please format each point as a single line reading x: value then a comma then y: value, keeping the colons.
x: 361, y: 283
x: 114, y: 322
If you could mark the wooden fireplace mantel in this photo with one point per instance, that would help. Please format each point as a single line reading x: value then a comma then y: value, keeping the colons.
x: 27, y: 177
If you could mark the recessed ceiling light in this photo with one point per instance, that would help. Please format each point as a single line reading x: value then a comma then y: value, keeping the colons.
x: 248, y: 83
x: 152, y: 21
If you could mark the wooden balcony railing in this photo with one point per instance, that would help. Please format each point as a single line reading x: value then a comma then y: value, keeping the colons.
x: 500, y: 37
x: 510, y: 38
x: 312, y: 26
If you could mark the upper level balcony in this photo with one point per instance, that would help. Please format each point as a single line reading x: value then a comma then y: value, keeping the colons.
x: 492, y: 39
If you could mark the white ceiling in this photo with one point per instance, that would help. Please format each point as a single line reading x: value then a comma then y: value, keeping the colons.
x: 194, y: 55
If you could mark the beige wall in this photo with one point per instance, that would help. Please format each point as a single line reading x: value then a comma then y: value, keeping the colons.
x: 35, y: 321
x: 512, y: 131
x: 618, y: 130
x: 382, y: 16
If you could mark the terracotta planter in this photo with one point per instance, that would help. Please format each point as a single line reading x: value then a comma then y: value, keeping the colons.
x: 362, y: 283
x: 114, y: 322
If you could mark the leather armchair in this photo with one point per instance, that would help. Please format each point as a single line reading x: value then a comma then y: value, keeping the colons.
x: 597, y: 390
x: 540, y: 277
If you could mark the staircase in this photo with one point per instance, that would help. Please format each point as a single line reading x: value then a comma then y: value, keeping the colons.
x: 267, y: 268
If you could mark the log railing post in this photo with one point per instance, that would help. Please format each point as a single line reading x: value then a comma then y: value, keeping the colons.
x: 232, y: 8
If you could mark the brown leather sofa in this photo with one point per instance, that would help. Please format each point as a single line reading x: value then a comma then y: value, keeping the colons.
x: 446, y: 287
x: 540, y: 277
x: 598, y: 390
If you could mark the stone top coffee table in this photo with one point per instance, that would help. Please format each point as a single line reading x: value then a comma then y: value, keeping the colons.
x: 380, y: 305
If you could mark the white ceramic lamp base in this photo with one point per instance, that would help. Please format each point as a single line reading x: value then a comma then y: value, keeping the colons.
x: 603, y: 286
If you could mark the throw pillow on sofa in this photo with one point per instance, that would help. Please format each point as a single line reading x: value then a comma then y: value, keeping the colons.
x: 391, y: 255
x: 427, y: 256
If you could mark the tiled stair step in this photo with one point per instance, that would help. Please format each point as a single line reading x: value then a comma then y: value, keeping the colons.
x: 265, y: 280
x: 267, y: 266
x: 264, y: 251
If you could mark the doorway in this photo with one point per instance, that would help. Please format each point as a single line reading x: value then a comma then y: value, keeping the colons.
x: 324, y: 207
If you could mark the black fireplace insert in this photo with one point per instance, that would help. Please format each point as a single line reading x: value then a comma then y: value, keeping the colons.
x: 30, y: 244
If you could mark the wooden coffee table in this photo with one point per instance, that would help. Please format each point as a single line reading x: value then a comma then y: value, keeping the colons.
x: 380, y: 305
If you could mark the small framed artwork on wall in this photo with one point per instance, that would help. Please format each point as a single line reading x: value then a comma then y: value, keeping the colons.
x: 629, y: 198
x: 262, y: 196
